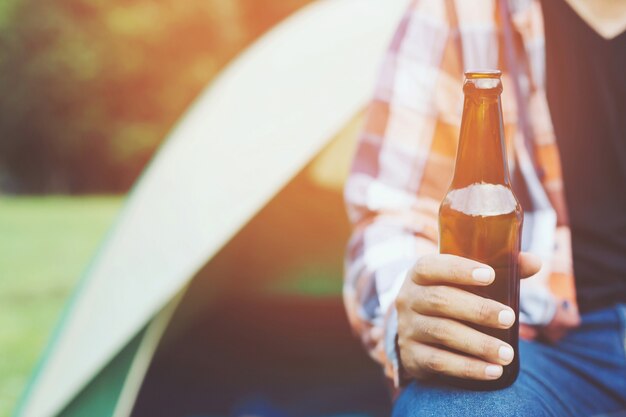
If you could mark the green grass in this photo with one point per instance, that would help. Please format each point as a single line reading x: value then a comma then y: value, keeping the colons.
x: 45, y: 244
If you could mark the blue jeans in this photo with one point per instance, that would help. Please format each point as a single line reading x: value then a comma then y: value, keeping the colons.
x: 582, y: 375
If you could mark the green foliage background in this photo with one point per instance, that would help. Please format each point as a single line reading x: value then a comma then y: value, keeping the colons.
x: 89, y: 88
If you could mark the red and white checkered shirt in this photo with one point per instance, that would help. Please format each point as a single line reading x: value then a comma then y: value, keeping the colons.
x: 405, y: 159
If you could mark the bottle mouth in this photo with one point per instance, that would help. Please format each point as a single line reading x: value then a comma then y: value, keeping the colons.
x: 480, y: 74
x: 484, y: 80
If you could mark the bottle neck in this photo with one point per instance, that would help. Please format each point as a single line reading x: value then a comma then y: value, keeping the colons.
x: 481, y: 156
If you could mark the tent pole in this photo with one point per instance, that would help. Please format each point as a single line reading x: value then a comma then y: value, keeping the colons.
x: 143, y: 358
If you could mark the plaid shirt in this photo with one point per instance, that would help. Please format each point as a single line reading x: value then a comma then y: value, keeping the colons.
x: 405, y: 159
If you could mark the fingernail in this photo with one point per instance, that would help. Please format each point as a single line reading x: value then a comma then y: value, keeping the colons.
x: 484, y: 275
x: 506, y: 353
x: 493, y: 371
x: 506, y: 317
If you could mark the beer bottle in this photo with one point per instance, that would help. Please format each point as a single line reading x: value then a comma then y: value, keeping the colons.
x: 480, y: 217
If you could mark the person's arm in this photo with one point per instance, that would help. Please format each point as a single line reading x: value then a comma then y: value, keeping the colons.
x: 395, y: 221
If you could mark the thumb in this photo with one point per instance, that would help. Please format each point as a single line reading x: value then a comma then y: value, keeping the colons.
x: 529, y: 264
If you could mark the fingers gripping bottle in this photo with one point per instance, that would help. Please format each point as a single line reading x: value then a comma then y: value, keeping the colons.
x: 480, y: 218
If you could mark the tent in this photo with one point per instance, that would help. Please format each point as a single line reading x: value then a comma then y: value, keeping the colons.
x: 209, y: 201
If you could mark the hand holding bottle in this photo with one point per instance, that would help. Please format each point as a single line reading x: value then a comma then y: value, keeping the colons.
x: 434, y: 316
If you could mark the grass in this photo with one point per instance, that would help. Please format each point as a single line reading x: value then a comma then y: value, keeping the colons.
x: 45, y: 244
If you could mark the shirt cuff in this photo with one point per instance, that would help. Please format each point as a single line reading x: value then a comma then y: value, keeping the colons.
x: 392, y: 366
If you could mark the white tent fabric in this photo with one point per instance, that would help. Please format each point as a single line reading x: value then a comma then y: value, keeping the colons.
x: 259, y: 123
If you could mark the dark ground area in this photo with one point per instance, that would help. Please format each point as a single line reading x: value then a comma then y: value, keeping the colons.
x: 275, y: 355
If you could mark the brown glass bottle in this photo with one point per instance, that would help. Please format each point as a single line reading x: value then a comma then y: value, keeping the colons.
x: 480, y: 217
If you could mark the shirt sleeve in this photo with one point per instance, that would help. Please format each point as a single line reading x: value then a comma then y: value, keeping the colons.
x: 402, y: 167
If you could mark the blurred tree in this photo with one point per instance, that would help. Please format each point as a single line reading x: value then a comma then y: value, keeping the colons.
x: 89, y: 88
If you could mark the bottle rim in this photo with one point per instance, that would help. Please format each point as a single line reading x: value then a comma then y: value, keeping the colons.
x: 482, y: 73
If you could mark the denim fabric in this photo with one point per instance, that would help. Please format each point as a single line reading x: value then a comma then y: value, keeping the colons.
x: 582, y: 375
